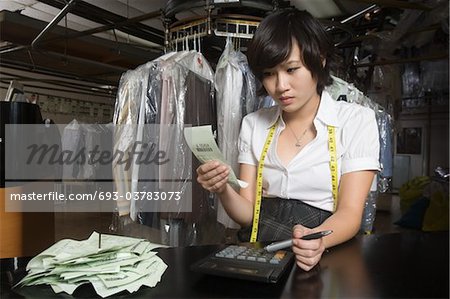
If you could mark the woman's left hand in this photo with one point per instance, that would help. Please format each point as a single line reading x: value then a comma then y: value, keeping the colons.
x: 307, y: 252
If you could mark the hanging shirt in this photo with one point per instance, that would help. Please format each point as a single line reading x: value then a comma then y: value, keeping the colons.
x: 307, y: 177
x: 186, y: 100
x: 236, y: 97
x: 72, y: 141
x: 135, y: 106
x: 228, y: 83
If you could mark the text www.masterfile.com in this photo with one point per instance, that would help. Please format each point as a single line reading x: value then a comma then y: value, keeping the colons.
x: 97, y: 195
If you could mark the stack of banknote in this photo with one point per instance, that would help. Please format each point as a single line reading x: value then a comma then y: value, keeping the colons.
x: 110, y: 263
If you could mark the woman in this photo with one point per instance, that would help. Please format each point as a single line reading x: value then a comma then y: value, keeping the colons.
x: 291, y: 54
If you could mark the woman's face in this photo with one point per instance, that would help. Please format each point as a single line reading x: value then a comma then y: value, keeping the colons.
x: 290, y: 83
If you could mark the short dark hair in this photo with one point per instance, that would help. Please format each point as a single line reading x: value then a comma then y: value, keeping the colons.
x: 272, y: 44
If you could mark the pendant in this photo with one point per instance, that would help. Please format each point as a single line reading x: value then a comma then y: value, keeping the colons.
x: 298, y: 144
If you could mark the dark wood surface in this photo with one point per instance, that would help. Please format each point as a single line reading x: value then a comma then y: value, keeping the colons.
x: 400, y: 265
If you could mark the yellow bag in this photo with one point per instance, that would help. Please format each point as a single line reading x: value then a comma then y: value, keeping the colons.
x: 436, y: 216
x: 411, y: 191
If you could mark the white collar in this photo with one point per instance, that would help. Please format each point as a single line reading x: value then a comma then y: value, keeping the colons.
x: 327, y: 112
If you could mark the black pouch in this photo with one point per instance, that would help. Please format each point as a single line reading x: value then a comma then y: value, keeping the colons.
x: 279, y: 215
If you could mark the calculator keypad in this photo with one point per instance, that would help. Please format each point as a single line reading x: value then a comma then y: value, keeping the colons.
x: 251, y: 254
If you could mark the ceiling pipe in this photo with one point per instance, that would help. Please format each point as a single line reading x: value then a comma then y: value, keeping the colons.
x: 14, y: 49
x: 70, y: 86
x: 110, y: 95
x: 92, y: 31
x: 439, y: 56
x: 54, y: 22
x: 52, y: 72
x: 138, y: 19
x: 398, y: 4
x: 99, y: 15
x: 115, y: 68
x: 353, y: 17
x: 342, y: 24
x: 360, y: 13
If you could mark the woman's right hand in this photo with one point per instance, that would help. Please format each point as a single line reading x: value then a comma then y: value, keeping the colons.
x: 213, y: 176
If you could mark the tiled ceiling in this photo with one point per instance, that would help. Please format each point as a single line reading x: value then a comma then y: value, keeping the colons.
x: 102, y: 56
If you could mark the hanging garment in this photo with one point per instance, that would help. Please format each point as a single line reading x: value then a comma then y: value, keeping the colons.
x: 384, y: 120
x: 71, y: 142
x: 249, y: 98
x: 188, y: 100
x: 92, y: 141
x: 103, y: 171
x: 228, y: 82
x: 385, y: 128
x: 174, y: 91
x: 344, y: 90
x: 126, y: 119
x: 135, y: 106
x: 235, y: 97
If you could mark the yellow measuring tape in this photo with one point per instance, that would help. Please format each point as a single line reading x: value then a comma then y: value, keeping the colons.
x: 333, y: 164
x: 257, y: 207
x: 333, y: 168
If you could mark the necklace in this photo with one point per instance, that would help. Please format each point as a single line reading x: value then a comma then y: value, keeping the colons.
x: 299, y: 140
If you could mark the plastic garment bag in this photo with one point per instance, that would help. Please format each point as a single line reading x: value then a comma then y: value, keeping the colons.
x: 126, y: 119
x: 249, y: 99
x: 384, y: 121
x: 71, y: 141
x: 170, y: 92
x: 235, y: 97
x: 133, y: 109
x: 344, y: 90
x: 186, y: 99
x: 92, y: 140
x: 385, y: 129
x: 228, y: 82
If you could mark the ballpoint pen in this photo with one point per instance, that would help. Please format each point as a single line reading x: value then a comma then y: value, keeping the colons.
x: 288, y: 243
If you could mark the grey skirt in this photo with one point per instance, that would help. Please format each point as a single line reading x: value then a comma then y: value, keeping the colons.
x: 279, y: 215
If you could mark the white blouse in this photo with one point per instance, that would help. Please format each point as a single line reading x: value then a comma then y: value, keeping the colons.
x: 307, y: 177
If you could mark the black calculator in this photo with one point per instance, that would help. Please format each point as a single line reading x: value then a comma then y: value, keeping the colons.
x: 246, y: 261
